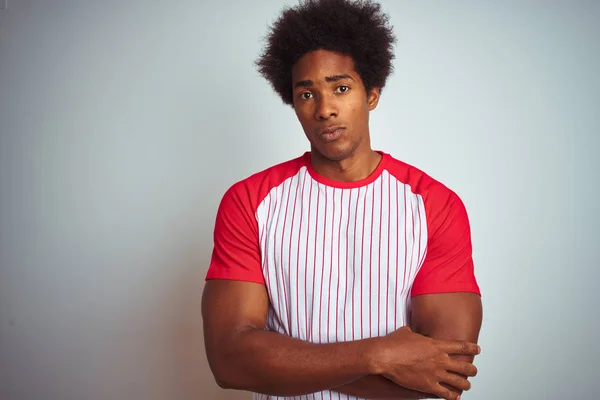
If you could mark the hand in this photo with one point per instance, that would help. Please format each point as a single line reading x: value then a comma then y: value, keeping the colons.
x: 424, y: 364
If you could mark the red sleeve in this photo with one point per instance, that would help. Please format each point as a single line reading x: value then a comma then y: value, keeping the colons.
x: 236, y: 252
x: 448, y: 265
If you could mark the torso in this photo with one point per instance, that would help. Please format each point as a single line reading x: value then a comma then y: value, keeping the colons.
x: 339, y: 262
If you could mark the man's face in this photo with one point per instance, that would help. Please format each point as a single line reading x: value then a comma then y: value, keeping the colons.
x: 332, y: 105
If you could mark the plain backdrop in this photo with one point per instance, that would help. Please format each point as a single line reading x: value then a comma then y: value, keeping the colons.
x: 122, y: 123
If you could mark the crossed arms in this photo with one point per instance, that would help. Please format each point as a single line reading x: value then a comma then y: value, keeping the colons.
x: 433, y: 360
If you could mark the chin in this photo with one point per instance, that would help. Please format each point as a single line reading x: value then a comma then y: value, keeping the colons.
x: 335, y: 153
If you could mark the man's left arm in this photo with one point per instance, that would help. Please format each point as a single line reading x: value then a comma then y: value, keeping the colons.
x: 446, y: 301
x: 448, y: 316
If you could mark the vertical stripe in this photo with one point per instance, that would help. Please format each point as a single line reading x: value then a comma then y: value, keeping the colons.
x: 298, y: 257
x: 405, y: 252
x: 320, y: 322
x: 339, y: 272
x: 387, y: 270
x: 396, y: 263
x: 272, y: 266
x: 362, y: 246
x: 354, y: 263
x: 290, y: 277
x: 328, y: 334
x: 306, y: 264
x: 284, y: 282
x: 370, y: 302
x: 315, y: 253
x: 379, y: 260
x: 347, y: 269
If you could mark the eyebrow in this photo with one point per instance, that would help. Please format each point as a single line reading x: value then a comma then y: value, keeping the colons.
x: 333, y: 78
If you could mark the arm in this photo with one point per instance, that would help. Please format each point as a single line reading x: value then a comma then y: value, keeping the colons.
x: 456, y: 316
x: 377, y: 387
x: 450, y: 316
x: 243, y: 355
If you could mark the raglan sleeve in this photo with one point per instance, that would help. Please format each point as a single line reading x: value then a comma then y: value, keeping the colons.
x: 236, y: 251
x: 448, y: 265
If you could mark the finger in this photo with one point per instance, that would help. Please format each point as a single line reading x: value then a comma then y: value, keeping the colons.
x: 466, y: 348
x: 455, y: 381
x: 445, y: 393
x: 461, y: 367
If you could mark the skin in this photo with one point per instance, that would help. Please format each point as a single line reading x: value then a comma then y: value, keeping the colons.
x: 244, y: 356
x: 329, y: 92
x: 440, y: 316
x: 432, y: 358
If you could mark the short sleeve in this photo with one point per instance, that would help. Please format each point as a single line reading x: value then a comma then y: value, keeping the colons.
x: 236, y: 251
x: 448, y: 265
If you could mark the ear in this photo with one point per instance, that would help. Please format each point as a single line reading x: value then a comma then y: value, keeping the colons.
x: 373, y: 98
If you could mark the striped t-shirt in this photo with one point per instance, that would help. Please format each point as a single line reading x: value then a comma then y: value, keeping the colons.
x: 341, y: 260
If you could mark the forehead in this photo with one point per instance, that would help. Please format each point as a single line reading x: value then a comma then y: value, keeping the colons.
x: 319, y: 64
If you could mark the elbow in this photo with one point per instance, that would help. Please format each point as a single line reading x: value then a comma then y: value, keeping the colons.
x: 230, y: 369
x: 222, y: 383
x: 223, y: 376
x: 226, y: 374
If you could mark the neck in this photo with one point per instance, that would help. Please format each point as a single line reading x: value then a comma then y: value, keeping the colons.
x: 354, y: 168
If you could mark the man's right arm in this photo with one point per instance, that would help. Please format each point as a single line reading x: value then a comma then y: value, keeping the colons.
x: 244, y: 356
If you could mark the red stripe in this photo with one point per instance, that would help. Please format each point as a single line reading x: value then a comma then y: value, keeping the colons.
x: 387, y: 279
x: 412, y: 252
x: 290, y: 255
x: 322, y: 265
x: 283, y: 280
x: 397, y: 251
x: 306, y: 263
x: 337, y: 297
x: 298, y: 255
x: 371, y: 264
x: 379, y: 261
x: 361, y: 264
x: 330, y: 266
x: 315, y: 249
x: 354, y: 259
x: 275, y: 211
x: 405, y: 253
x: 347, y: 265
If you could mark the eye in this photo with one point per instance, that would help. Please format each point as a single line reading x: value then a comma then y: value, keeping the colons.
x: 305, y: 95
x: 342, y: 89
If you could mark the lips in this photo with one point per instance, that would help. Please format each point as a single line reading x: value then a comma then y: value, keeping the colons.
x: 332, y: 129
x: 332, y: 133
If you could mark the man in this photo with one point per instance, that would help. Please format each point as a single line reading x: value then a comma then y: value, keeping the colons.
x: 344, y: 273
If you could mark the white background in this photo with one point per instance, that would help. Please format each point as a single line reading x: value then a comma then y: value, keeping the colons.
x: 122, y: 124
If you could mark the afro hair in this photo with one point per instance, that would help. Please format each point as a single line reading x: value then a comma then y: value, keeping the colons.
x: 355, y: 28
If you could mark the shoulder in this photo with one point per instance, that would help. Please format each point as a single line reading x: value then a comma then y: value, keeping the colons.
x: 252, y: 190
x: 420, y: 183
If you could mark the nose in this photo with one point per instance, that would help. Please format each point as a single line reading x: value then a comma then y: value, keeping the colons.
x: 325, y: 108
